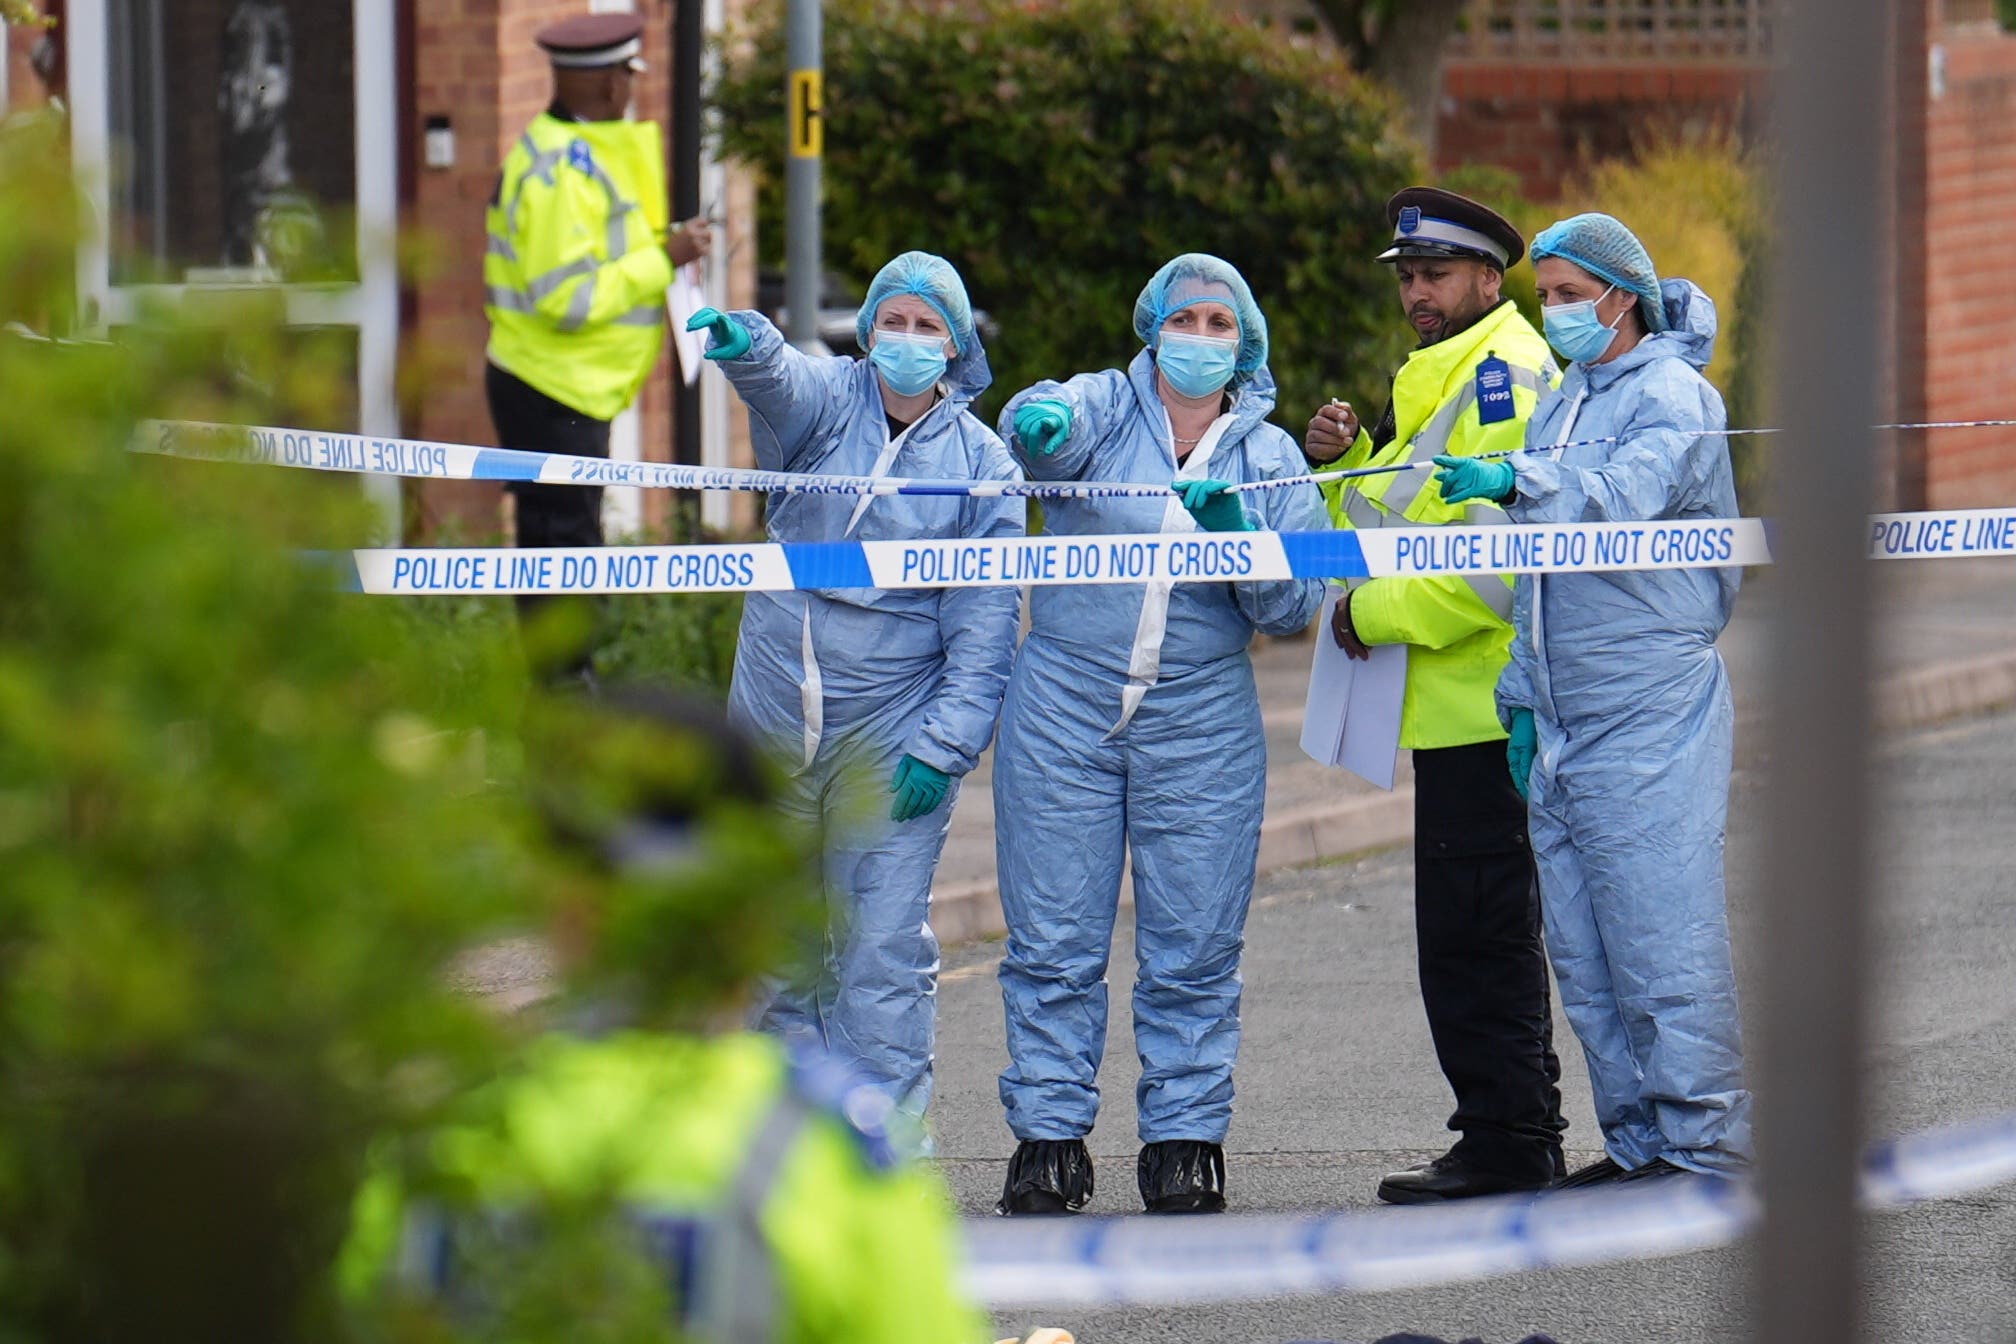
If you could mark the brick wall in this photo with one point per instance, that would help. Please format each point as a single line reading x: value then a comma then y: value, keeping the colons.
x: 1970, y: 266
x: 1543, y: 122
x: 23, y: 89
x: 455, y: 65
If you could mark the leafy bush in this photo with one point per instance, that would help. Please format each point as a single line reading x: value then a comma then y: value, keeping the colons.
x: 241, y: 838
x: 1058, y: 151
x: 246, y: 822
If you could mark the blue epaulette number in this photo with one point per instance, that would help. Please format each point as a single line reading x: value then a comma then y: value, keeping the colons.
x: 1494, y: 391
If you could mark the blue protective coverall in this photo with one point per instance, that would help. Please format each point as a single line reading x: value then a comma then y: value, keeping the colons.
x: 1630, y: 787
x: 1180, y: 787
x: 840, y: 684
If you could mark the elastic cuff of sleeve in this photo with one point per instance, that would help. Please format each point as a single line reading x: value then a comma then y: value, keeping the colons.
x: 1534, y: 478
x: 1372, y: 617
x: 932, y: 754
x: 655, y: 273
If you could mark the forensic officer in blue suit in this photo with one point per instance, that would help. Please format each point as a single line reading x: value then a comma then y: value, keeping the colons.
x: 1131, y: 725
x: 878, y: 700
x: 1618, y: 705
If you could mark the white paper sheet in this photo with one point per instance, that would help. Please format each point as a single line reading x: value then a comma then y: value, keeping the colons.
x: 1352, y: 716
x: 682, y: 300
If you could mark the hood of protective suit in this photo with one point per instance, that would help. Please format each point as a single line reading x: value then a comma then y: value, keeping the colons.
x: 1690, y: 335
x: 967, y: 376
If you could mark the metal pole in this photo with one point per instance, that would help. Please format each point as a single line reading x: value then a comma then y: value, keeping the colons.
x: 805, y: 143
x: 688, y: 44
x: 1828, y: 129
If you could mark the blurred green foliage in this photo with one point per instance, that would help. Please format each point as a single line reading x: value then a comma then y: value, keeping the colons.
x: 1059, y: 151
x: 247, y: 824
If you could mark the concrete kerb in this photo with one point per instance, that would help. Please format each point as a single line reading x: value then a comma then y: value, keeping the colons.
x: 1916, y: 698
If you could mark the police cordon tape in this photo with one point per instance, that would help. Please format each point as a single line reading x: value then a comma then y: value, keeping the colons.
x: 422, y: 459
x: 1175, y: 557
x: 1167, y: 1261
x: 425, y: 460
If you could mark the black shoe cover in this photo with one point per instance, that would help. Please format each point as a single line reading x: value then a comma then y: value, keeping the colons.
x: 1182, y: 1176
x: 1047, y: 1176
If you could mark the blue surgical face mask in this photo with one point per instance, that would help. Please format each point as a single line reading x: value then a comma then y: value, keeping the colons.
x: 1573, y: 330
x: 910, y: 362
x: 1196, y: 366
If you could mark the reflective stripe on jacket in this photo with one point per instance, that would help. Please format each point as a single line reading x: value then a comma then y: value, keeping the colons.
x: 1459, y: 628
x: 574, y: 265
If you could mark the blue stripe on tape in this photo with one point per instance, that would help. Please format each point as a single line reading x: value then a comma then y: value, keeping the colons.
x: 503, y: 464
x: 1324, y: 555
x: 828, y: 564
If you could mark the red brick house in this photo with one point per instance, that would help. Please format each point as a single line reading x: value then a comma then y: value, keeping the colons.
x: 1532, y: 85
x: 351, y: 120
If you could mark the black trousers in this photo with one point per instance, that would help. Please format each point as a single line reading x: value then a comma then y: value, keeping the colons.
x: 1483, y: 965
x: 551, y: 515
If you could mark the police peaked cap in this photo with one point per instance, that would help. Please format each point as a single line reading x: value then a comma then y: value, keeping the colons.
x: 1430, y: 222
x: 593, y: 41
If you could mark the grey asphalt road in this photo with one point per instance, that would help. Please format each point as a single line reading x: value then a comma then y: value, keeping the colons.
x: 1337, y: 1084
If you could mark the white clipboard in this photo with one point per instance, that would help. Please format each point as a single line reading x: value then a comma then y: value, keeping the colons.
x: 1351, y: 719
x: 682, y: 300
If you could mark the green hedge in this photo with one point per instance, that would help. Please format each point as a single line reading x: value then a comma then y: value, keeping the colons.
x: 246, y: 823
x: 1058, y: 151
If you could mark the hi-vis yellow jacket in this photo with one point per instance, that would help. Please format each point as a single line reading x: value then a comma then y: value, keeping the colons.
x: 575, y: 271
x: 759, y: 1181
x: 1447, y: 398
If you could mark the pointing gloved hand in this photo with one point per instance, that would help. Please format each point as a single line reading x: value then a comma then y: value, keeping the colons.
x: 1464, y: 478
x: 1520, y: 749
x: 1213, y: 505
x: 919, y: 789
x: 727, y: 339
x: 1043, y: 426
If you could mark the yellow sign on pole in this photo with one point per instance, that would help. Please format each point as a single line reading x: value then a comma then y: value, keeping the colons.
x: 807, y: 102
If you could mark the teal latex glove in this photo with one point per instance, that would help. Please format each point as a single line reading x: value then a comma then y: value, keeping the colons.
x: 919, y: 789
x: 1520, y: 749
x: 728, y: 340
x: 1213, y: 505
x: 1464, y: 478
x: 1043, y: 426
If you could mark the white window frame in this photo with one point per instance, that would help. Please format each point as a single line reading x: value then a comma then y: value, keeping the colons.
x: 370, y: 306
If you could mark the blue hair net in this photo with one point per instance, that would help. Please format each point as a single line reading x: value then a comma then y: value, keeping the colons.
x: 1606, y: 249
x: 931, y: 279
x: 1198, y: 277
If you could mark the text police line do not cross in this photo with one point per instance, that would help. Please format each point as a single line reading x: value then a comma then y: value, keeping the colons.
x: 1150, y: 557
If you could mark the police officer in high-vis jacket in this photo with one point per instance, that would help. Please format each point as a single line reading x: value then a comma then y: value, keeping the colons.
x: 575, y: 269
x: 1467, y: 388
x: 629, y: 1164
